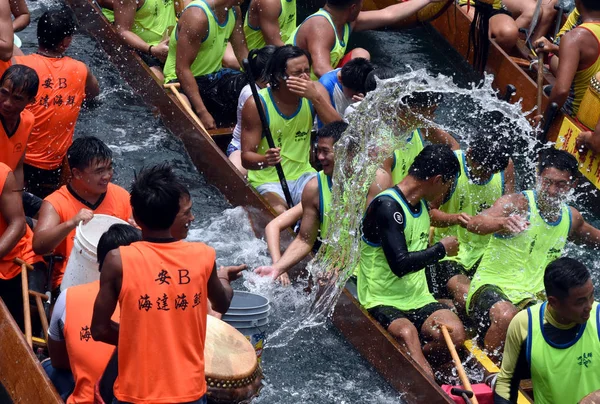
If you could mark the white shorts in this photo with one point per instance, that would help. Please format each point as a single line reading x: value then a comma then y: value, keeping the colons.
x: 295, y: 186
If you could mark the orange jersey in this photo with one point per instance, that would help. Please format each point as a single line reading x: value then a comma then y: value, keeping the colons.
x: 58, y: 102
x: 4, y: 66
x: 115, y: 203
x: 12, y: 148
x: 23, y: 249
x: 88, y: 358
x: 163, y: 321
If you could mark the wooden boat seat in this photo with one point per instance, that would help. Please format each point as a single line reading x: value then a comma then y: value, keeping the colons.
x: 220, y: 132
x: 39, y: 301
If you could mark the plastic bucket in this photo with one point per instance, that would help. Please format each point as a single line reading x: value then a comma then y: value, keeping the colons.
x: 249, y: 314
x: 82, y: 266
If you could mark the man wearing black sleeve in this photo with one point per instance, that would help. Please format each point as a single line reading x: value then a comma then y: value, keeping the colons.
x: 394, y: 253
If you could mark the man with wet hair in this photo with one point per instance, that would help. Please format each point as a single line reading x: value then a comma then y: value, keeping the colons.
x: 161, y: 284
x: 555, y: 343
x: 325, y: 34
x: 290, y: 104
x: 315, y: 206
x: 18, y: 88
x: 346, y: 85
x: 391, y: 283
x: 196, y: 50
x: 529, y: 230
x: 74, y: 354
x: 88, y: 192
x: 269, y: 22
x: 65, y: 83
x: 487, y: 173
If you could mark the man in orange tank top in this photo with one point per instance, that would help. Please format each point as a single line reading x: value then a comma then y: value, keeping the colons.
x: 64, y: 84
x: 76, y: 360
x: 15, y: 242
x: 161, y: 285
x: 18, y: 87
x: 88, y: 192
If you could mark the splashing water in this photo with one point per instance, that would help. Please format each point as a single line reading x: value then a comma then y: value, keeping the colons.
x: 381, y: 124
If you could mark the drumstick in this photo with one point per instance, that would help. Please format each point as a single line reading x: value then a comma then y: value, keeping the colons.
x: 459, y: 367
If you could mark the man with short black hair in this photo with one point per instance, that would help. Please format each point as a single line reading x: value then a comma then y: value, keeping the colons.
x: 555, y: 343
x: 88, y: 192
x: 529, y: 230
x: 391, y: 282
x: 64, y: 84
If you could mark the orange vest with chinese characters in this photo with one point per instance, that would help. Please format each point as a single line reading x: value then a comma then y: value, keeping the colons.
x: 56, y: 108
x: 163, y: 321
x: 115, y: 203
x: 88, y: 358
x: 13, y: 147
x: 23, y: 249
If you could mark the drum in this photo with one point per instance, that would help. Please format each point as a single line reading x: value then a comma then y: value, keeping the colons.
x: 427, y: 13
x: 232, y: 371
x: 589, y: 110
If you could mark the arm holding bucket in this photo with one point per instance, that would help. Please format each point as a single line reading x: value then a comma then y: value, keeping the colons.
x: 220, y: 292
x: 50, y: 232
x: 111, y: 278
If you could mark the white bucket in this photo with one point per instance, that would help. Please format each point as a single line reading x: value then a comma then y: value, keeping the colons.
x: 82, y: 266
x: 249, y: 314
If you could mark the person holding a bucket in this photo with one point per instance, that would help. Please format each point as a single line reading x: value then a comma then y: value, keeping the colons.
x: 88, y: 192
x: 161, y: 284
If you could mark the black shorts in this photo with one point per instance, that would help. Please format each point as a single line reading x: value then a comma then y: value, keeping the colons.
x: 481, y: 303
x: 440, y: 273
x: 41, y: 182
x: 220, y: 92
x: 385, y: 315
x: 150, y: 60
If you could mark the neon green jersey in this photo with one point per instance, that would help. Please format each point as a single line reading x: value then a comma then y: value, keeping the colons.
x: 339, y: 47
x: 109, y: 14
x: 563, y: 373
x: 287, y: 25
x: 324, y: 182
x: 291, y: 134
x: 404, y: 157
x: 470, y: 198
x: 516, y: 264
x: 377, y: 285
x: 210, y: 55
x: 153, y: 19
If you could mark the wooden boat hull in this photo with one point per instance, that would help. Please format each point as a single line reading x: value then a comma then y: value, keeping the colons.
x: 21, y: 374
x: 381, y: 350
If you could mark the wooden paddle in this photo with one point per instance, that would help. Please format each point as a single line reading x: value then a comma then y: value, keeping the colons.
x: 540, y: 78
x: 464, y: 379
x: 267, y: 131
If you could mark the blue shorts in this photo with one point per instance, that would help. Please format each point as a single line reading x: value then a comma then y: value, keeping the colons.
x: 295, y: 186
x: 230, y: 149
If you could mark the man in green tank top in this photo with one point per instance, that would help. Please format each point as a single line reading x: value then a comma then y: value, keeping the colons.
x: 195, y: 59
x: 556, y: 342
x: 290, y: 104
x: 487, y: 173
x: 144, y: 25
x: 325, y: 34
x: 529, y: 230
x: 394, y: 252
x: 269, y: 22
x: 315, y: 206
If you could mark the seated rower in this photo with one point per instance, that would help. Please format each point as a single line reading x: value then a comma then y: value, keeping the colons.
x: 65, y: 83
x: 18, y: 88
x: 346, y: 85
x: 391, y: 283
x: 579, y: 53
x: 529, y: 230
x: 290, y: 104
x: 15, y: 242
x: 88, y: 192
x: 503, y: 29
x: 487, y: 173
x: 196, y: 51
x: 144, y: 25
x: 556, y: 343
x: 325, y: 34
x: 314, y: 209
x: 164, y: 285
x: 70, y: 343
x: 269, y: 22
x: 258, y: 59
x: 523, y: 11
